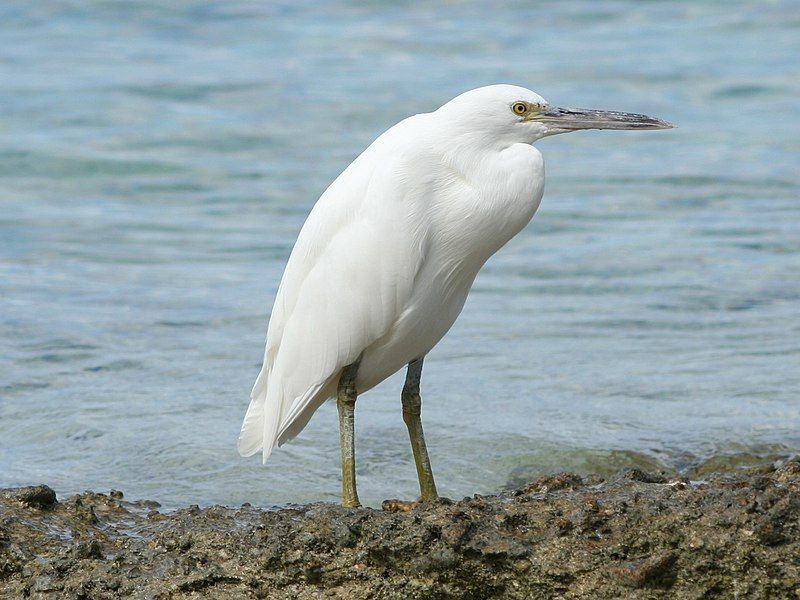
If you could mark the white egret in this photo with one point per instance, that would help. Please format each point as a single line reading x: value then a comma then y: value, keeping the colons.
x: 384, y: 262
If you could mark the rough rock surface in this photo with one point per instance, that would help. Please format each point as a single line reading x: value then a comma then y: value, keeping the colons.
x: 638, y: 535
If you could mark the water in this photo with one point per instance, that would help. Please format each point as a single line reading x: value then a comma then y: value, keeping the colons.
x: 157, y: 160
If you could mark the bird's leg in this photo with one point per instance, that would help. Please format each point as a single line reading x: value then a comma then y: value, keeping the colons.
x: 346, y: 403
x: 412, y: 405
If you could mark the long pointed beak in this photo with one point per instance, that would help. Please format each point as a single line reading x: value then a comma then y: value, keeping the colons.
x: 572, y: 119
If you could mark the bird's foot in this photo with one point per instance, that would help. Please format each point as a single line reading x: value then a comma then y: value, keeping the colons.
x: 395, y: 505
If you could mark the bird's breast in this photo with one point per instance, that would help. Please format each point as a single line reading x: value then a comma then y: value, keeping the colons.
x: 495, y: 200
x: 471, y: 215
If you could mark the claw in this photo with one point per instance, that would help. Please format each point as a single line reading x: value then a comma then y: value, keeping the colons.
x: 395, y: 505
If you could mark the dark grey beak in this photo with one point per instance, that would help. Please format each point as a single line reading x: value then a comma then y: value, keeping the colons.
x: 572, y: 119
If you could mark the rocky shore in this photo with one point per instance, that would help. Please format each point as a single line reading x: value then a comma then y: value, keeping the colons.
x: 636, y: 535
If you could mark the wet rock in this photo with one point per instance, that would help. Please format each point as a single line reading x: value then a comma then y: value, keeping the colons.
x: 637, y: 535
x: 90, y: 549
x: 549, y: 483
x: 455, y: 533
x: 35, y: 496
x: 654, y: 571
x: 643, y: 476
x: 788, y: 469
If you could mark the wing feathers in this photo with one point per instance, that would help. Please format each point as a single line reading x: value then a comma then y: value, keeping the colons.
x: 347, y: 280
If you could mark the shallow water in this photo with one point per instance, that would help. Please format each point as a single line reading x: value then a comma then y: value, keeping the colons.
x: 157, y: 160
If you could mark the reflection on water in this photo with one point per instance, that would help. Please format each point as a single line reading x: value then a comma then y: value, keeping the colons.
x: 157, y: 161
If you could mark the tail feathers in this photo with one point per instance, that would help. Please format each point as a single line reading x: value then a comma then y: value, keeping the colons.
x: 263, y: 417
x: 260, y: 428
x: 251, y: 437
x: 301, y: 412
x: 270, y: 421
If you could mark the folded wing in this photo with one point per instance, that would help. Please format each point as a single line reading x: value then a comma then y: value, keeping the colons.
x: 348, y: 278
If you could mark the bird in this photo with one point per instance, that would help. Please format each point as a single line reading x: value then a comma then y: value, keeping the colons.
x: 383, y: 264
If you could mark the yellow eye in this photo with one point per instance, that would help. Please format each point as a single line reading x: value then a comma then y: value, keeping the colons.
x: 519, y: 108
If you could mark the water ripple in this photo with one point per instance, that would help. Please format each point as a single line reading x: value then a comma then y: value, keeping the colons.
x: 158, y: 159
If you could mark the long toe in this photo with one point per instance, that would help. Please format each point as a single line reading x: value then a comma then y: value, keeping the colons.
x: 395, y: 505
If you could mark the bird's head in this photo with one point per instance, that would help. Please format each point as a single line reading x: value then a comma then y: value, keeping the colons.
x: 515, y: 114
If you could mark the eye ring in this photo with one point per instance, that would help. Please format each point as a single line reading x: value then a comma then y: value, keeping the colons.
x: 519, y: 108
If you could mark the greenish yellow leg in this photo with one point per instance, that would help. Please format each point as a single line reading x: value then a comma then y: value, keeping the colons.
x: 346, y: 403
x: 412, y: 407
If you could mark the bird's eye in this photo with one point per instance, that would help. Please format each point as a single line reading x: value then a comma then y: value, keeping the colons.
x: 519, y: 108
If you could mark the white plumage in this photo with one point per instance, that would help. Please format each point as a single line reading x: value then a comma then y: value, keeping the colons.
x: 384, y: 262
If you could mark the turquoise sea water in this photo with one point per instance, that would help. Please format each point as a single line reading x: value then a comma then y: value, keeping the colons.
x: 157, y: 160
